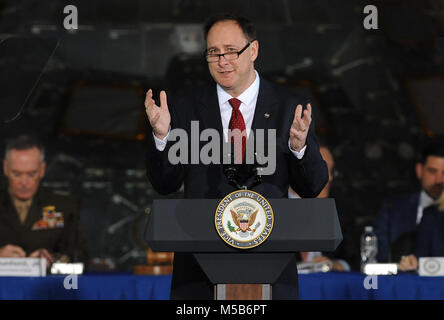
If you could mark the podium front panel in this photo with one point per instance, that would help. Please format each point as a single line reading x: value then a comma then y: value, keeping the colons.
x: 188, y: 225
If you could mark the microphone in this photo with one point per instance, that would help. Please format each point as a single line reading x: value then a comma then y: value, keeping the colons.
x: 230, y: 171
x: 243, y: 176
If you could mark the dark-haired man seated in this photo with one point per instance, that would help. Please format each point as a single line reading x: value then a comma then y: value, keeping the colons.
x: 397, y: 222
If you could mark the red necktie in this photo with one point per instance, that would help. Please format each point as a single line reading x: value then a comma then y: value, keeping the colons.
x: 237, y: 122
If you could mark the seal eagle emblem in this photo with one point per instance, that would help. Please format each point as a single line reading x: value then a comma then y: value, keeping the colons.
x: 244, y: 219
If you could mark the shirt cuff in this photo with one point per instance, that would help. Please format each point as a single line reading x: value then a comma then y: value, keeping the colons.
x: 299, y: 154
x: 161, y: 143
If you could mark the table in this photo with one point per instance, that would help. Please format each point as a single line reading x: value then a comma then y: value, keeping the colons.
x: 350, y: 286
x: 121, y: 286
x: 107, y: 286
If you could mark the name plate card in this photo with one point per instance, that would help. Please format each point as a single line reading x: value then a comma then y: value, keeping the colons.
x: 380, y: 268
x: 431, y: 266
x: 22, y: 267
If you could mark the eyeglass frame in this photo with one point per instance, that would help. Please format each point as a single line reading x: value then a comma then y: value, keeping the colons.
x: 223, y: 54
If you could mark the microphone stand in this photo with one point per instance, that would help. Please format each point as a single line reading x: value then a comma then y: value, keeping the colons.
x: 242, y: 176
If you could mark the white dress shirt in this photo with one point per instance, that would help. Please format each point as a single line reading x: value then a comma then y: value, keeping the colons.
x: 248, y: 100
x: 424, y: 201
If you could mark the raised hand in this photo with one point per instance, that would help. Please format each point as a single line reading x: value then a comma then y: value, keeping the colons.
x: 159, y: 117
x: 299, y: 128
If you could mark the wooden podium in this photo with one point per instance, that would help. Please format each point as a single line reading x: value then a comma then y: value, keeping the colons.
x: 187, y: 225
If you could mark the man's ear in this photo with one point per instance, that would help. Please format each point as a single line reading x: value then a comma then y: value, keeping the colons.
x: 419, y: 170
x: 254, y: 50
x: 42, y: 169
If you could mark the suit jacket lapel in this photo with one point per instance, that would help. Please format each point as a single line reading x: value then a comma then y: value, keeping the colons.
x: 7, y: 210
x: 263, y: 116
x: 209, y: 110
x: 10, y: 213
x: 265, y: 105
x: 32, y: 214
x: 35, y: 211
x: 413, y: 208
x: 209, y: 115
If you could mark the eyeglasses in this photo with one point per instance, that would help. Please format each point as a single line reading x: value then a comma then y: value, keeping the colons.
x: 229, y: 56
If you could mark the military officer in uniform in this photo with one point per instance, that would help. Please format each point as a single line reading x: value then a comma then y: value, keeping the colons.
x: 34, y: 221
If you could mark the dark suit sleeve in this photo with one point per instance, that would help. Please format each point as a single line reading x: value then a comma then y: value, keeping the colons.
x: 309, y: 175
x: 165, y: 177
x: 381, y: 229
x: 425, y: 235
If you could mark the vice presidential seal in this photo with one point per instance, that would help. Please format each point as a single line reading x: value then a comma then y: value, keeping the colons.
x: 244, y: 219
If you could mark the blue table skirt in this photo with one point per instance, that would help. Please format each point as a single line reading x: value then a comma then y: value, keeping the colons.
x: 320, y: 286
x: 350, y: 286
x: 89, y: 287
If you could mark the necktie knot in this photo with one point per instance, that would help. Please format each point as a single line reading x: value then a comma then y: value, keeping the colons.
x: 235, y: 103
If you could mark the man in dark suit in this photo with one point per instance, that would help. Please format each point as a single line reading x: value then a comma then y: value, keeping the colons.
x: 398, y: 219
x: 35, y: 222
x: 231, y: 51
x: 429, y: 237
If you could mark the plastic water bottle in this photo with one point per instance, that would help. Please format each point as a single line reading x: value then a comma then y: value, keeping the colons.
x: 369, y: 246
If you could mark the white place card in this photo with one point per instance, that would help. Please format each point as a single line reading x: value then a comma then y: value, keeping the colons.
x: 380, y: 268
x: 431, y: 266
x: 67, y: 268
x: 22, y: 267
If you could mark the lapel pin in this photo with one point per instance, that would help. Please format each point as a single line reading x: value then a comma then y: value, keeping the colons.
x: 266, y: 115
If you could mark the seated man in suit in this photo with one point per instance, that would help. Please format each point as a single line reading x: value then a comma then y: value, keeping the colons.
x: 239, y: 100
x: 398, y: 219
x: 34, y: 222
x: 429, y: 236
